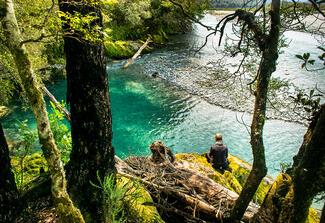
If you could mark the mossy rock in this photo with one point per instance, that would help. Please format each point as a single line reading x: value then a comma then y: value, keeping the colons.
x: 232, y: 180
x: 235, y: 180
x: 136, y: 197
x: 200, y: 164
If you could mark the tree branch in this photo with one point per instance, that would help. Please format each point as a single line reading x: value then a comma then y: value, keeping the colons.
x: 38, y: 39
x: 317, y: 7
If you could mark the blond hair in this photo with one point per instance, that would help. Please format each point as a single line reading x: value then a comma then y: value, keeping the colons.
x: 218, y: 137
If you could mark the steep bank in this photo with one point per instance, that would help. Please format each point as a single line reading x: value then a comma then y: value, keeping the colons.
x: 143, y: 205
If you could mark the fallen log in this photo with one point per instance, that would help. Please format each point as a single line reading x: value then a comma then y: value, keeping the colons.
x: 189, y: 200
x: 197, y: 191
x: 176, y: 211
x: 135, y: 56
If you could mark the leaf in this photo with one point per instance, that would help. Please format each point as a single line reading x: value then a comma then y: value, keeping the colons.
x: 311, y: 93
x: 311, y: 62
x: 299, y: 57
x: 321, y: 48
x: 306, y: 56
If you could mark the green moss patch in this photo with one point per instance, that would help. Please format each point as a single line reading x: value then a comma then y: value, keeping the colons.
x: 135, y: 199
x: 232, y: 180
x: 28, y: 168
x: 121, y: 49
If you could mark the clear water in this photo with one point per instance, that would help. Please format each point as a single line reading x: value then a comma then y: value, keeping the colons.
x: 145, y: 109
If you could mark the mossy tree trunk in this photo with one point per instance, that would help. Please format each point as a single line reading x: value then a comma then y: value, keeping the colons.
x: 92, y: 153
x: 290, y: 197
x: 272, y: 205
x: 322, y: 219
x: 308, y: 175
x: 269, y: 46
x: 64, y: 206
x: 8, y: 191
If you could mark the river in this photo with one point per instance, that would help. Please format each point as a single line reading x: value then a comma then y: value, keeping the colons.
x: 171, y: 107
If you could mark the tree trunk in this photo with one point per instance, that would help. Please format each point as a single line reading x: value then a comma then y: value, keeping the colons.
x: 272, y: 205
x: 266, y: 68
x: 322, y: 219
x: 311, y: 167
x: 8, y: 190
x: 92, y: 155
x: 64, y: 206
x: 277, y: 198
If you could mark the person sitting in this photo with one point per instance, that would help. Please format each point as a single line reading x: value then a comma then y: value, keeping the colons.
x: 218, y: 155
x: 161, y: 153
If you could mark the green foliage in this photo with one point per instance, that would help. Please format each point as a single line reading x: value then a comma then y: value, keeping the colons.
x: 227, y: 3
x: 132, y: 20
x: 82, y: 26
x: 124, y: 201
x: 307, y: 60
x: 27, y: 137
x: 118, y: 49
x: 113, y: 199
x: 310, y: 102
x: 29, y: 169
x: 8, y: 76
x: 54, y: 51
x: 23, y: 149
x: 61, y: 132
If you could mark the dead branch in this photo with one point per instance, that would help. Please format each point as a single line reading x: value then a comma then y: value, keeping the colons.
x: 57, y: 104
x: 137, y: 54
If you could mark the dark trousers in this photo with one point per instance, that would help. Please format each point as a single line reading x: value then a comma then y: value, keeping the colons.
x: 221, y: 167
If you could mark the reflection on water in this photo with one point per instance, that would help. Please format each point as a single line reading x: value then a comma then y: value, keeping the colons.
x: 145, y: 109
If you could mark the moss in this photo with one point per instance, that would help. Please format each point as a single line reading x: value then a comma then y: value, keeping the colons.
x: 240, y: 169
x: 312, y: 216
x: 119, y: 49
x: 199, y: 163
x: 135, y: 198
x: 4, y: 111
x: 232, y: 180
x: 160, y: 38
x: 31, y: 167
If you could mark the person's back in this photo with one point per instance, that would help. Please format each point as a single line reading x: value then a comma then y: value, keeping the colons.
x: 218, y: 154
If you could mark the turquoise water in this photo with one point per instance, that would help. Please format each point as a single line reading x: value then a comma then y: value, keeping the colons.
x: 145, y: 109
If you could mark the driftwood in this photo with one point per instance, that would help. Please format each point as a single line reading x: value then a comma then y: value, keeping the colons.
x: 57, y: 104
x: 206, y: 199
x: 135, y: 56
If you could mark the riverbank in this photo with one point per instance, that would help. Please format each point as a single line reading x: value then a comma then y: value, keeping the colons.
x: 143, y: 177
x: 211, y: 76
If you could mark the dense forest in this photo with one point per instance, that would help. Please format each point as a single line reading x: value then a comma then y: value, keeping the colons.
x: 65, y: 166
